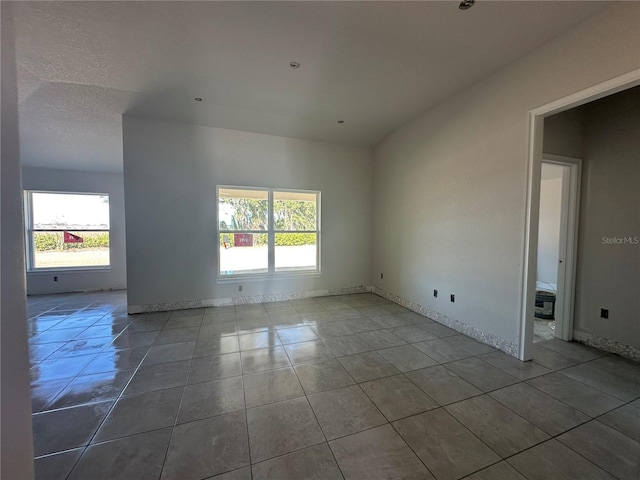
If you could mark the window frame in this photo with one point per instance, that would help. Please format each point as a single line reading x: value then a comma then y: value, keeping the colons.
x: 271, y: 235
x: 30, y: 238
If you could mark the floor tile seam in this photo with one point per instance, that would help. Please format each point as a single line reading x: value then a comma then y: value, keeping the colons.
x: 30, y: 320
x: 597, y: 419
x: 514, y: 358
x: 365, y: 394
x: 468, y: 475
x: 47, y: 357
x: 277, y: 401
x: 166, y: 452
x: 164, y: 329
x: 300, y: 450
x: 593, y: 360
x: 584, y: 423
x: 502, y: 457
x: 77, y: 461
x: 98, y: 352
x: 445, y: 404
x: 597, y: 388
x: 88, y: 444
x: 386, y: 375
x: 549, y: 435
x: 592, y: 463
x: 113, y: 339
x: 58, y: 329
x: 581, y: 454
x: 386, y: 422
x: 566, y: 356
x: 123, y: 395
x: 468, y: 351
x: 397, y: 419
x: 323, y: 360
x: 44, y: 409
x: 175, y: 420
x: 576, y: 408
x: 246, y: 418
x: 117, y: 400
x: 77, y: 374
x: 508, y: 408
x: 413, y: 451
x: 68, y: 407
x: 517, y: 380
x: 313, y: 412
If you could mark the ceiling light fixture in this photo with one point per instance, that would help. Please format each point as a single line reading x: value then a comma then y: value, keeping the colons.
x: 294, y: 65
x: 466, y: 4
x: 340, y: 121
x: 198, y: 99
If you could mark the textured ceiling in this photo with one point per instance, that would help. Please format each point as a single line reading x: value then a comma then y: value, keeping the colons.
x: 375, y: 65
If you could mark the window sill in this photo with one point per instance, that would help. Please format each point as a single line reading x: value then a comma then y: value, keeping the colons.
x: 265, y: 276
x: 48, y: 271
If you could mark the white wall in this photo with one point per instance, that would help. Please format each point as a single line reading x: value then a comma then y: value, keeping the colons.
x: 608, y: 274
x: 74, y: 181
x: 549, y: 223
x: 170, y: 173
x: 450, y: 187
x: 15, y: 403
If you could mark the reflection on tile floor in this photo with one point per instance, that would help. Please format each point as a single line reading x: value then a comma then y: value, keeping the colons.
x: 348, y: 387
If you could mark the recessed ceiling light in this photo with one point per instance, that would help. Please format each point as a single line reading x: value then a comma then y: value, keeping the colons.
x: 340, y: 121
x: 466, y: 4
x: 198, y: 99
x: 294, y: 64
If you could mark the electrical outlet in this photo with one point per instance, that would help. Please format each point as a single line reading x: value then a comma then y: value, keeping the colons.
x: 604, y: 313
x: 435, y: 293
x: 239, y: 288
x: 381, y: 276
x: 453, y: 297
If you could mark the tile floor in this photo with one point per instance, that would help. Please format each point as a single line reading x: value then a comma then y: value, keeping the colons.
x: 348, y: 387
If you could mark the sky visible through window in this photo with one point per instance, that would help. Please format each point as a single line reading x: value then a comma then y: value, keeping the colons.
x: 69, y: 210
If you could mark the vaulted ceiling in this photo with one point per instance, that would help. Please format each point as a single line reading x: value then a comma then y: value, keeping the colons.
x: 373, y: 65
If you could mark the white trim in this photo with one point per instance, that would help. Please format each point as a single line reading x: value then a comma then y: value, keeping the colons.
x: 604, y: 89
x: 29, y: 231
x: 568, y: 251
x: 534, y: 165
x: 271, y: 234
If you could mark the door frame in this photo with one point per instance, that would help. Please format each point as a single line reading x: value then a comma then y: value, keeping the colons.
x: 534, y: 167
x: 568, y: 242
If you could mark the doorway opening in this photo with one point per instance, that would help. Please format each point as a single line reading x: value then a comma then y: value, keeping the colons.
x: 530, y: 265
x: 557, y: 247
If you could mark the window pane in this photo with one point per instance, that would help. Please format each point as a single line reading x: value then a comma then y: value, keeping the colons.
x: 70, y: 249
x: 243, y: 253
x: 243, y: 209
x: 296, y: 251
x: 294, y: 211
x: 70, y: 210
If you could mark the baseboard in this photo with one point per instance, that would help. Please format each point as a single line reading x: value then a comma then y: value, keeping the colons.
x: 607, y: 345
x: 267, y: 298
x: 486, y: 338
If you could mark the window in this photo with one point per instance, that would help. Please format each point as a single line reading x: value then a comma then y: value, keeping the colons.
x: 266, y: 231
x: 67, y: 230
